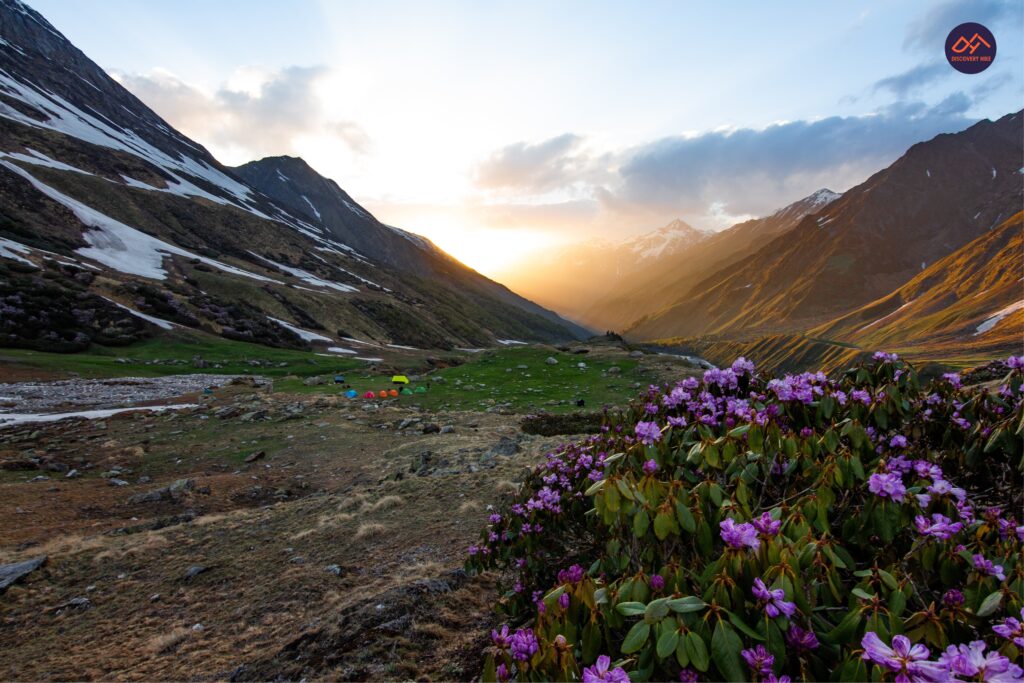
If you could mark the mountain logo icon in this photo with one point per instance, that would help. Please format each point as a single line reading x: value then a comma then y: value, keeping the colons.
x: 970, y: 48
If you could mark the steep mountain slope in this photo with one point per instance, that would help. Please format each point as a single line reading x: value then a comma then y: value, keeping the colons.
x: 292, y: 183
x: 940, y: 195
x: 663, y: 280
x: 969, y: 299
x: 571, y: 278
x: 961, y: 311
x: 103, y: 203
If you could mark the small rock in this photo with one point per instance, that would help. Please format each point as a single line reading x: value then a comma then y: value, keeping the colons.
x: 428, y: 428
x: 447, y: 429
x: 118, y: 482
x: 72, y: 474
x: 256, y: 456
x: 194, y: 571
x: 334, y: 569
x: 155, y: 597
x: 551, y: 361
x: 505, y: 447
x: 197, y: 627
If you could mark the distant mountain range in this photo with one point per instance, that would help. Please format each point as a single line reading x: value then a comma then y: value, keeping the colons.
x: 662, y: 279
x: 924, y: 256
x: 129, y: 227
x: 570, y: 279
x: 937, y: 197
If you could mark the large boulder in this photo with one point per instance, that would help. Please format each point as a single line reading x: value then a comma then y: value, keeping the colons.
x: 10, y: 573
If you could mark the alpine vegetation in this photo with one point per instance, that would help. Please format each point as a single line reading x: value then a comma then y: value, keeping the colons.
x: 750, y: 528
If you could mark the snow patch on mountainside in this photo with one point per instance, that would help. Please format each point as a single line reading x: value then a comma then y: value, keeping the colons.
x: 306, y: 335
x: 40, y: 159
x: 997, y: 316
x: 306, y: 276
x: 66, y: 118
x: 159, y: 322
x: 306, y: 199
x: 10, y: 249
x: 119, y: 246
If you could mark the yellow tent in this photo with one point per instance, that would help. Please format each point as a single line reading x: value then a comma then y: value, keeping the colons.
x: 399, y: 379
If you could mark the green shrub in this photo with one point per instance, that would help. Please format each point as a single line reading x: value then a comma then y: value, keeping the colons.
x: 742, y: 528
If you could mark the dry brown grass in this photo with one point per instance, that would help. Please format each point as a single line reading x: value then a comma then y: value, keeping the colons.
x: 369, y: 530
x: 168, y: 641
x: 352, y: 501
x: 506, y: 487
x: 385, y: 503
x: 422, y: 570
x: 469, y: 506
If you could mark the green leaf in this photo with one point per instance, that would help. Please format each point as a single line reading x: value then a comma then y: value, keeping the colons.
x: 595, y: 487
x: 685, y: 517
x: 897, y: 603
x: 630, y: 609
x: 555, y: 594
x: 667, y: 642
x: 656, y: 610
x: 614, y: 458
x: 741, y: 625
x: 636, y: 638
x: 862, y: 594
x: 682, y: 655
x: 489, y: 674
x: 641, y: 522
x: 725, y: 651
x: 990, y: 604
x: 663, y: 525
x: 591, y: 642
x: 888, y: 579
x: 697, y: 651
x: 690, y: 603
x: 737, y: 432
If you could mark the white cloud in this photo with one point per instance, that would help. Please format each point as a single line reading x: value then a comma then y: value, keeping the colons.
x: 252, y: 115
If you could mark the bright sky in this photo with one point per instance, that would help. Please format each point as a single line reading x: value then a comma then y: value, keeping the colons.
x: 497, y: 129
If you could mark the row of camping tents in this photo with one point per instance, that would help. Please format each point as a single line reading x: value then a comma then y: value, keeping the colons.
x: 397, y: 381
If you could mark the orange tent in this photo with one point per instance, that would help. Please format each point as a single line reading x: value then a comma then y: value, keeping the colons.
x: 383, y: 394
x: 393, y: 393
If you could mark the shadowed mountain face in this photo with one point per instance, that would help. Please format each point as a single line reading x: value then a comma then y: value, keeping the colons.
x: 936, y: 198
x: 105, y: 203
x: 292, y: 183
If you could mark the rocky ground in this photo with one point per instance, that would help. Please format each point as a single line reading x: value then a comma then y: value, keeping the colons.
x: 118, y: 392
x: 258, y: 535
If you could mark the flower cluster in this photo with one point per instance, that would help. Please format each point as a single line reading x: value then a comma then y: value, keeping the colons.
x: 850, y: 527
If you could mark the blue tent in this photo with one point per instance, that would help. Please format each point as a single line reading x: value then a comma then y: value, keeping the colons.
x: 351, y: 393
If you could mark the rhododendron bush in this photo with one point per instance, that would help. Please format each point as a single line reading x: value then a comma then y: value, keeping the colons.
x: 738, y: 527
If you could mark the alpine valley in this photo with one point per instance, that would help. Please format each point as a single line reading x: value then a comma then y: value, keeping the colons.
x: 115, y: 227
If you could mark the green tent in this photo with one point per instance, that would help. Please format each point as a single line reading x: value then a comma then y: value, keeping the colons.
x: 406, y: 391
x: 421, y: 390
